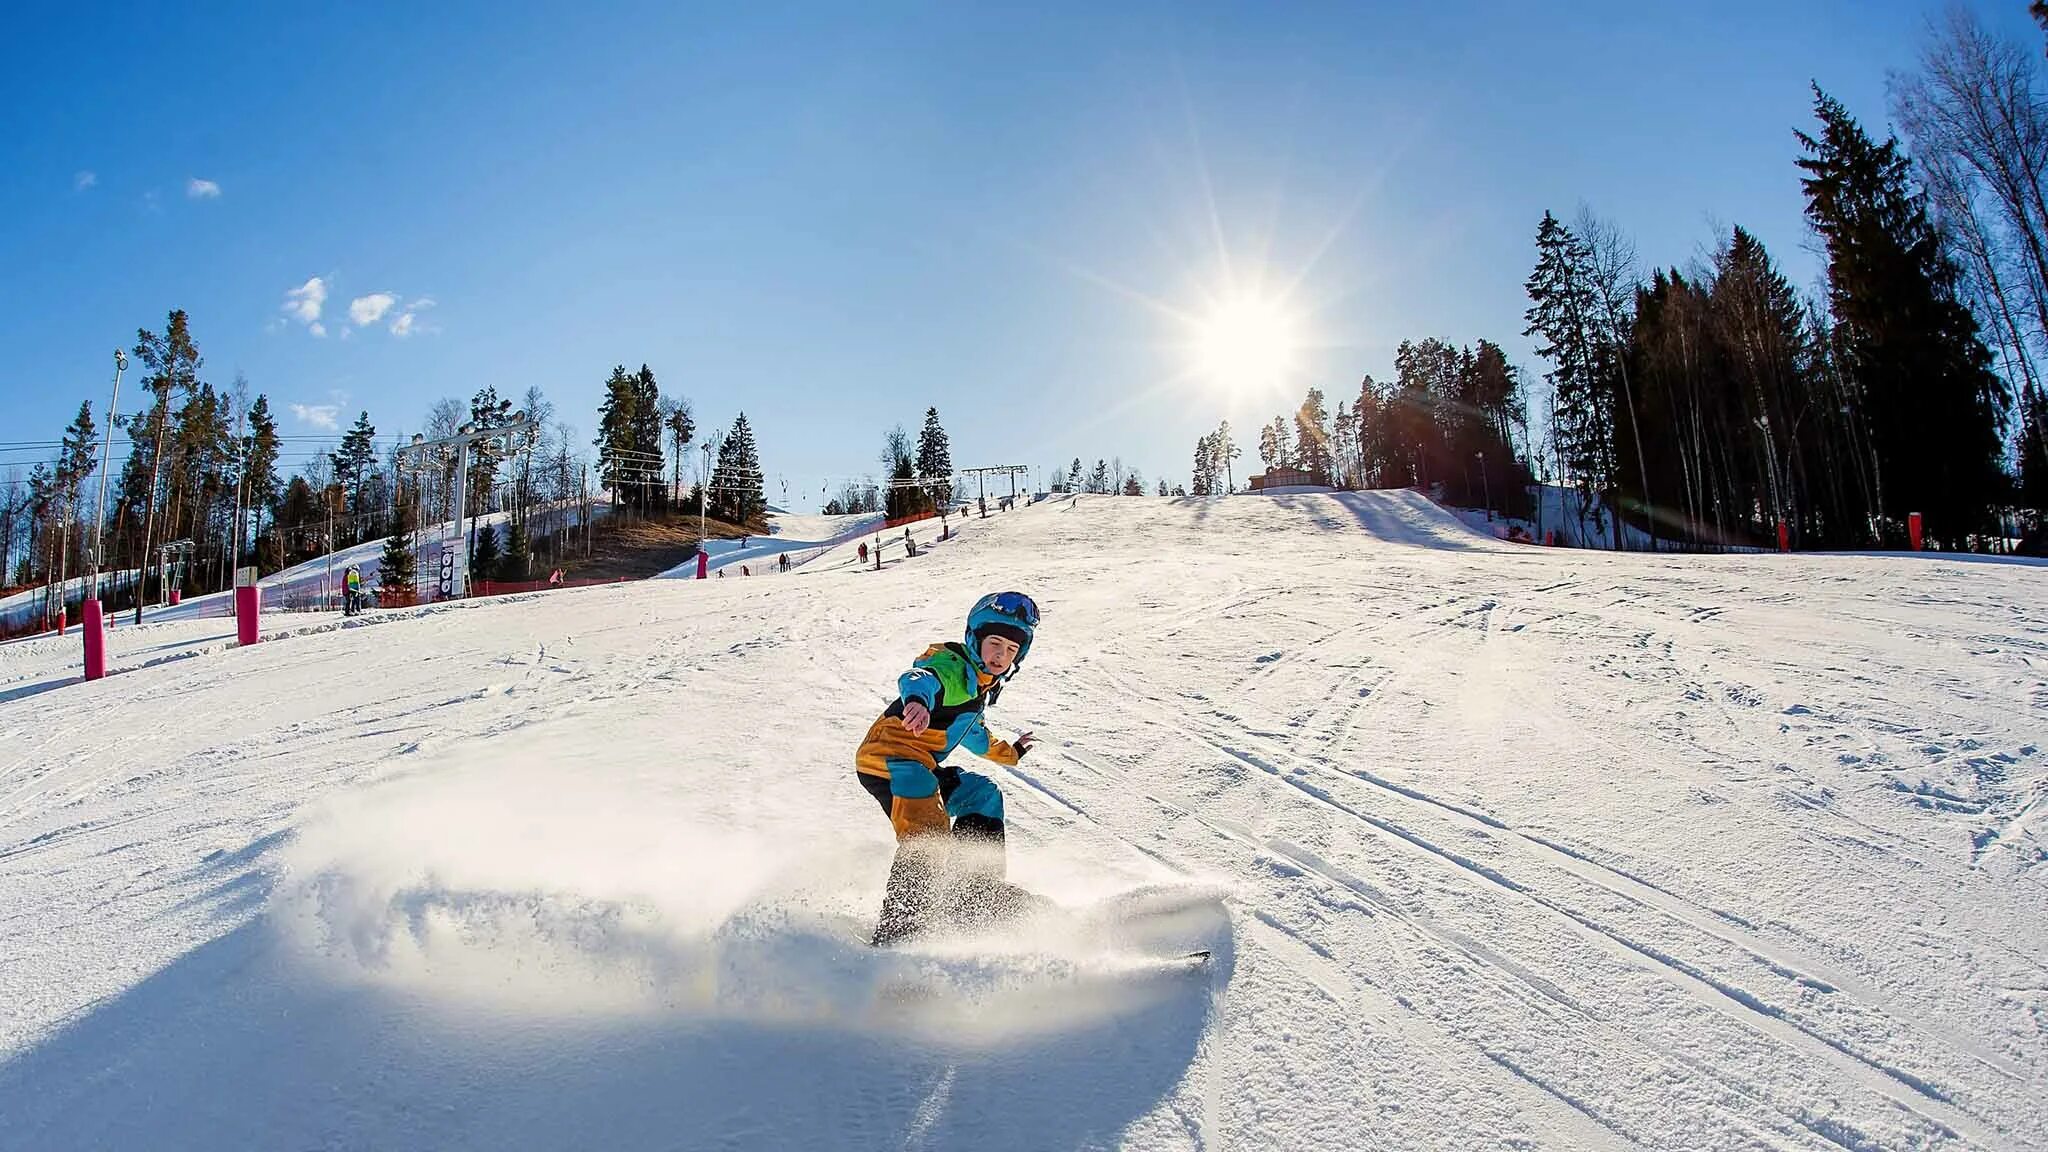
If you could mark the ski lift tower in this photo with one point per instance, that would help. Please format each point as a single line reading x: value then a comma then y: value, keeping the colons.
x: 469, y: 434
x: 176, y: 553
x: 981, y: 476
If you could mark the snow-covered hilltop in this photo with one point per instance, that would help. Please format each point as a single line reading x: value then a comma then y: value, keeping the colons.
x: 1496, y: 846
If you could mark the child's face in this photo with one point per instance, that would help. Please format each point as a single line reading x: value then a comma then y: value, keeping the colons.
x: 998, y: 653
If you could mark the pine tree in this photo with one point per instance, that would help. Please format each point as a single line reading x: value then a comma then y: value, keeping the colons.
x: 934, y: 453
x: 484, y: 553
x: 1312, y: 438
x: 517, y: 563
x: 1932, y: 406
x: 353, y: 462
x: 1074, y: 476
x: 647, y: 429
x: 486, y: 457
x: 680, y: 422
x: 1205, y: 465
x: 619, y: 463
x: 2033, y: 458
x: 1225, y: 450
x: 736, y: 482
x: 1134, y: 485
x: 1163, y: 489
x: 1561, y: 315
x: 1281, y: 441
x: 1098, y: 480
x: 396, y: 575
x: 201, y: 450
x: 259, y: 464
x: 172, y: 362
x: 900, y: 497
x: 75, y: 461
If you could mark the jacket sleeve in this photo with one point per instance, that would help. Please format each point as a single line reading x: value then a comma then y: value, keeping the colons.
x: 978, y: 741
x: 918, y: 684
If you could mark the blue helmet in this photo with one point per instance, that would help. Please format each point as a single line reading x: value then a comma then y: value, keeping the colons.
x: 1008, y: 614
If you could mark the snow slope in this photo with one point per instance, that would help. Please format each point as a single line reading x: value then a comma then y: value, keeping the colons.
x: 802, y: 536
x: 1497, y: 846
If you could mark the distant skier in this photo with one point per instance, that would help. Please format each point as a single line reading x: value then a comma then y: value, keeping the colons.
x: 351, y: 591
x: 949, y: 823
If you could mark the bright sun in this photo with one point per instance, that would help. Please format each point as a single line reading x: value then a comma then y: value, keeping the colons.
x: 1247, y: 343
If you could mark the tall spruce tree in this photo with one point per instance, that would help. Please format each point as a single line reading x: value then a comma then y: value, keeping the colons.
x: 396, y: 572
x: 1312, y: 437
x: 619, y: 463
x: 1205, y: 465
x: 737, y: 483
x: 647, y: 430
x: 517, y: 563
x: 934, y: 453
x: 1931, y: 403
x: 259, y: 465
x: 353, y: 462
x: 1583, y: 357
x: 75, y: 462
x: 484, y: 552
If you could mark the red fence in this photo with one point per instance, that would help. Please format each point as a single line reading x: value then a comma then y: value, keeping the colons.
x: 508, y: 587
x: 913, y: 518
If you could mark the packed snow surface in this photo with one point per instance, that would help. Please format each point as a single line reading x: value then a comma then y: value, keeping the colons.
x: 1493, y: 846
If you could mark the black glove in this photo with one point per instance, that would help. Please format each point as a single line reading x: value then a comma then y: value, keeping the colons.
x: 1023, y: 744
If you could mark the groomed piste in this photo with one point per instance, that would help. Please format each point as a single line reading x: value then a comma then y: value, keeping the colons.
x: 1491, y: 845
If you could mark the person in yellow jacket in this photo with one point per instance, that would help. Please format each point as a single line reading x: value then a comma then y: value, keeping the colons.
x: 948, y: 823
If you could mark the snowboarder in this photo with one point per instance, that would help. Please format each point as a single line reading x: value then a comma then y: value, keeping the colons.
x: 949, y: 823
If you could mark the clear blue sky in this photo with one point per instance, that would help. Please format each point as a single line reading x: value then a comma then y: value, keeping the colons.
x: 834, y: 216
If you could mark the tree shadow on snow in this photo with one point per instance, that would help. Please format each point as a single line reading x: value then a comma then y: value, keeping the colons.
x: 1383, y: 518
x: 242, y: 1044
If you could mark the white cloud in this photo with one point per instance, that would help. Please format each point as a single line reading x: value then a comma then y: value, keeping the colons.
x: 198, y: 189
x: 305, y: 302
x: 317, y: 415
x: 408, y: 322
x: 367, y: 310
x: 83, y: 180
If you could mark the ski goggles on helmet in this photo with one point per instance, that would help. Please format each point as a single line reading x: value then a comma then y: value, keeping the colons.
x: 1016, y: 605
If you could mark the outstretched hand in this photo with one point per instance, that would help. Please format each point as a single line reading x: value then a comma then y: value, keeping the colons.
x: 916, y: 717
x: 1024, y: 744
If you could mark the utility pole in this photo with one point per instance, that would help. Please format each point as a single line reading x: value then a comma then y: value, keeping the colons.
x: 703, y: 491
x: 235, y: 521
x: 156, y: 468
x: 106, y: 462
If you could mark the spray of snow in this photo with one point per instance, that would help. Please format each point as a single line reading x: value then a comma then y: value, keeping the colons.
x: 502, y: 888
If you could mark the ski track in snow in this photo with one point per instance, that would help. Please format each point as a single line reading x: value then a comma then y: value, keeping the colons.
x: 1519, y: 848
